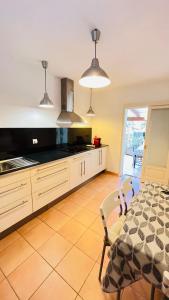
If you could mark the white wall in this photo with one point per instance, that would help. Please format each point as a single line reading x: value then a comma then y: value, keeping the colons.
x: 21, y: 89
x: 109, y: 107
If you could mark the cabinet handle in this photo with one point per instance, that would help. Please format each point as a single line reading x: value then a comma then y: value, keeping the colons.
x: 81, y: 172
x: 43, y: 169
x: 13, y: 189
x: 84, y: 167
x: 41, y: 177
x: 8, y: 210
x: 101, y: 156
x: 40, y: 194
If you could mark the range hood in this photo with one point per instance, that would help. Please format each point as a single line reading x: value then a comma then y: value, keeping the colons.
x: 67, y: 114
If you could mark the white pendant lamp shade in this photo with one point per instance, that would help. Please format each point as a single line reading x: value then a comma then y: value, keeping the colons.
x: 90, y: 112
x: 94, y: 76
x: 46, y: 102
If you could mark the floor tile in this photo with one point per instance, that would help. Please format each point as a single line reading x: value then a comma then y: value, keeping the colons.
x: 54, y: 287
x: 97, y: 226
x: 70, y: 209
x: 28, y: 226
x: 85, y: 217
x: 72, y: 231
x: 92, y: 290
x: 6, y: 292
x: 94, y: 206
x: 39, y: 235
x: 75, y: 267
x: 1, y: 276
x: 14, y: 255
x: 29, y: 276
x: 91, y: 244
x: 45, y: 214
x: 56, y: 219
x: 54, y: 249
x: 81, y: 200
x: 140, y: 290
x: 8, y: 240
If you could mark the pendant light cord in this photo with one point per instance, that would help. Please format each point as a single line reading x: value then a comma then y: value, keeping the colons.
x: 90, y: 97
x: 45, y: 80
x: 95, y: 49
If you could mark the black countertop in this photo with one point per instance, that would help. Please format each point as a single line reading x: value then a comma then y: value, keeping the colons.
x: 51, y: 155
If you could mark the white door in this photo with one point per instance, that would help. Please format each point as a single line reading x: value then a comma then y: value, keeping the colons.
x: 156, y: 154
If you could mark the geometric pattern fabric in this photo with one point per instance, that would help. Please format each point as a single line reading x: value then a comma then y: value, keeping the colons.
x: 142, y: 249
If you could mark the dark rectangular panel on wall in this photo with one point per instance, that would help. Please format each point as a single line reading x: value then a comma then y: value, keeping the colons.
x: 18, y: 141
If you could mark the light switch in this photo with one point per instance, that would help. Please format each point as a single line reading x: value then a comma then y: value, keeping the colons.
x: 35, y: 141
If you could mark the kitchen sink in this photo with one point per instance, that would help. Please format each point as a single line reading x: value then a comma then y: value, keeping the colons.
x: 16, y: 163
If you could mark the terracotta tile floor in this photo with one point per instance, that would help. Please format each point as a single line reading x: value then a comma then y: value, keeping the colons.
x: 57, y: 255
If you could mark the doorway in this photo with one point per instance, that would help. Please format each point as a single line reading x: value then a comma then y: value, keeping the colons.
x: 133, y: 141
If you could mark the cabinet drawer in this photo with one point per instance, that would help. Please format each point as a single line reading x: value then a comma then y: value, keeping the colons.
x: 14, y: 177
x: 49, y: 193
x: 14, y: 212
x: 12, y: 192
x: 49, y: 168
x: 54, y: 176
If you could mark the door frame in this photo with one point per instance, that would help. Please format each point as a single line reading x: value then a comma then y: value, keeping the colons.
x: 126, y: 108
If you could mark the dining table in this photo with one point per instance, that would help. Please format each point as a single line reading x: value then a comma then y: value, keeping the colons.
x: 142, y: 248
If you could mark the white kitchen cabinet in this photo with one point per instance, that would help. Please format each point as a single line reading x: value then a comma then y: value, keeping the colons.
x: 81, y: 169
x: 99, y: 160
x: 23, y: 192
x: 15, y: 198
x: 49, y: 181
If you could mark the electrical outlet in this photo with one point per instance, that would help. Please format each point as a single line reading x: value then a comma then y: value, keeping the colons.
x: 34, y: 141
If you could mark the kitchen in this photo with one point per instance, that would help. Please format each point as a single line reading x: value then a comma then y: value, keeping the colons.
x: 68, y: 72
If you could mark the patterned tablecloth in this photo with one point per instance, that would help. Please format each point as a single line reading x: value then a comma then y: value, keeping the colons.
x: 142, y: 249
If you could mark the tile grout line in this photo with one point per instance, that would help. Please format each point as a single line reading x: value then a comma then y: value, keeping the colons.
x: 6, y: 278
x: 73, y: 245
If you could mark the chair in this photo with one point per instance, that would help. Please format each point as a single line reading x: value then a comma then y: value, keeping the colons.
x: 111, y: 202
x: 126, y: 190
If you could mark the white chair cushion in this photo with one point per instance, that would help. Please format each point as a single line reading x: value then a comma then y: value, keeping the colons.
x: 114, y: 230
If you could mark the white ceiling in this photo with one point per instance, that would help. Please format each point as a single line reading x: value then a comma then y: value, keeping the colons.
x: 134, y: 43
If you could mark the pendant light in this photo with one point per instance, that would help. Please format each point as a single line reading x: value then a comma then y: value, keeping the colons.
x: 94, y: 76
x: 45, y: 102
x: 90, y: 112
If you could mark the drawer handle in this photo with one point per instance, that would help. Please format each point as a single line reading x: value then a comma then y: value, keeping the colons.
x: 8, y: 210
x: 40, y: 194
x: 13, y: 189
x: 42, y: 169
x: 41, y: 177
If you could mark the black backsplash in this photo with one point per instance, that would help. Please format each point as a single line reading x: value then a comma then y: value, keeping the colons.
x: 17, y: 141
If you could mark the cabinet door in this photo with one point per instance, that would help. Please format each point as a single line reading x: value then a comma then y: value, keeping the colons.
x: 87, y: 166
x: 102, y: 158
x: 99, y: 160
x: 76, y: 172
x: 95, y: 161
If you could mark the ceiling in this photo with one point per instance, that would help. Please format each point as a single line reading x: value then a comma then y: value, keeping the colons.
x: 134, y: 44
